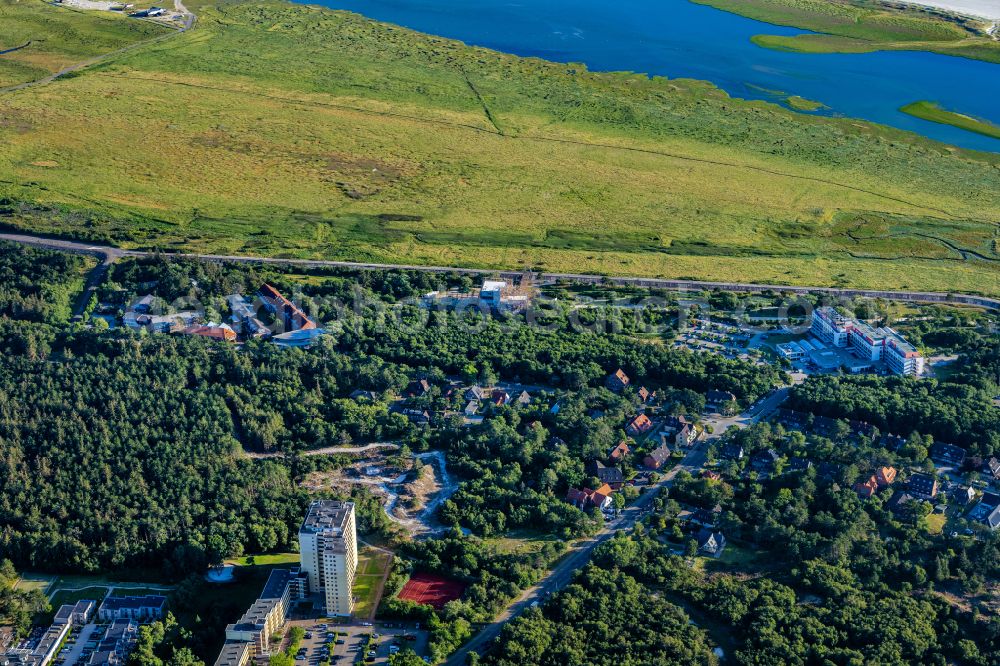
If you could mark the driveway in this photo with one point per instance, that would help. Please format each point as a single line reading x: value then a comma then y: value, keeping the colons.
x: 80, y: 641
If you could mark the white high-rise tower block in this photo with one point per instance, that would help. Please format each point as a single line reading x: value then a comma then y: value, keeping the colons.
x: 328, y: 551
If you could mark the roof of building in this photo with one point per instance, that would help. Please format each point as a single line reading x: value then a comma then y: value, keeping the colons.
x: 63, y: 615
x: 619, y: 377
x: 274, y: 590
x: 710, y: 538
x: 885, y: 476
x: 604, y: 473
x: 947, y: 452
x: 216, y: 332
x: 715, y: 395
x: 300, y: 338
x: 990, y: 499
x: 640, y: 423
x: 620, y: 451
x: 660, y: 454
x: 900, y: 499
x: 731, y: 451
x: 993, y: 518
x: 136, y: 602
x: 104, y: 657
x: 233, y: 653
x: 764, y: 457
x: 798, y: 464
x: 588, y: 496
x: 327, y: 516
x: 923, y: 484
x: 275, y: 299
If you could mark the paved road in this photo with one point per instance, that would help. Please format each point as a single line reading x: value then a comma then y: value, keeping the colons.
x: 577, y: 558
x: 757, y: 411
x: 94, y: 280
x: 656, y: 283
x: 79, y: 644
x: 563, y: 572
x: 187, y: 17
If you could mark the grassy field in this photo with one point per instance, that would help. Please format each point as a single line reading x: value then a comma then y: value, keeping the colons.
x: 522, y: 541
x: 803, y: 104
x: 934, y: 113
x: 297, y: 131
x: 935, y: 523
x: 38, y: 582
x: 138, y: 591
x: 270, y: 559
x: 372, y: 567
x: 860, y: 26
x: 55, y: 37
x: 62, y: 597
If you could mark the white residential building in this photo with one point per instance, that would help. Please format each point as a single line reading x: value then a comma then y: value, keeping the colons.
x: 903, y: 358
x: 250, y: 637
x: 867, y: 342
x: 492, y: 292
x: 328, y: 549
x: 831, y: 327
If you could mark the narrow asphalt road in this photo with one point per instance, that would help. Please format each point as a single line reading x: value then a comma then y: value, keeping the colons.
x: 560, y: 575
x: 563, y: 572
x: 94, y: 280
x: 655, y: 283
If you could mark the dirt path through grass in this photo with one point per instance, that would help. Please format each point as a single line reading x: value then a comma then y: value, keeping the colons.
x: 45, y: 80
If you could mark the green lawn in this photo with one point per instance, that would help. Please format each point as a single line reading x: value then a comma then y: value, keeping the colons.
x: 296, y: 131
x: 372, y: 567
x: 373, y: 562
x: 522, y: 541
x: 738, y: 556
x: 934, y: 523
x: 62, y: 597
x: 126, y: 591
x: 364, y: 590
x: 29, y: 581
x: 267, y: 559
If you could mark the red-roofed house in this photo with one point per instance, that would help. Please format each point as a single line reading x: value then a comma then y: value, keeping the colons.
x: 290, y: 315
x: 657, y: 458
x: 882, y: 478
x: 617, y: 381
x: 619, y: 453
x: 639, y: 425
x: 587, y: 498
x: 221, y: 332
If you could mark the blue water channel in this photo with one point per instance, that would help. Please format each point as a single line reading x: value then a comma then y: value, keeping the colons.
x: 679, y: 39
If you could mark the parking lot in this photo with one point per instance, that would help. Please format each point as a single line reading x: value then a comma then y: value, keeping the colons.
x: 351, y: 644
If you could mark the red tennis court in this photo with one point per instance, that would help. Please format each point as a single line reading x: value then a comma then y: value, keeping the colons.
x: 431, y: 589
